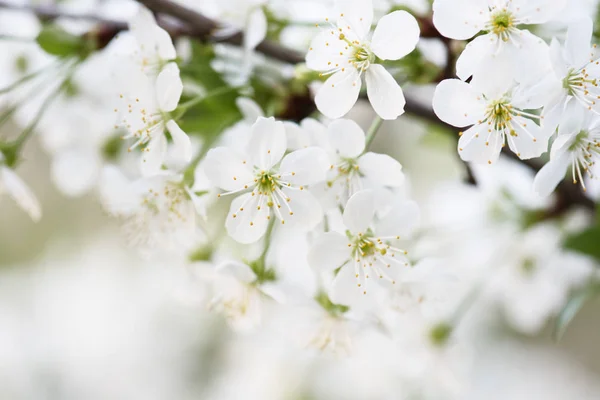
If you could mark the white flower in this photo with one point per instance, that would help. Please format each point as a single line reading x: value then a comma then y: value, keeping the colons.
x: 352, y: 170
x: 500, y: 19
x: 11, y: 184
x: 144, y: 112
x: 496, y: 116
x: 367, y: 250
x: 154, y: 48
x: 159, y: 212
x: 574, y: 78
x: 346, y: 50
x: 240, y: 295
x: 534, y: 277
x: 237, y: 136
x: 270, y: 182
x: 577, y: 146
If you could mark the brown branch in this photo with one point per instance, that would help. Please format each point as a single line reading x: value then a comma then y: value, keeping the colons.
x: 203, y: 28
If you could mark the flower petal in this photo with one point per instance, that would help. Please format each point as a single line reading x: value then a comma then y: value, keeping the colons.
x: 249, y: 109
x: 470, y: 60
x: 245, y: 223
x: 551, y: 174
x: 344, y: 288
x: 181, y: 141
x: 396, y: 35
x: 169, y: 87
x: 460, y: 19
x: 531, y: 141
x: 227, y: 170
x: 326, y: 52
x: 267, y: 143
x: 20, y: 193
x: 153, y: 155
x: 384, y: 93
x: 538, y: 11
x: 346, y: 138
x: 329, y: 252
x: 305, y: 167
x: 339, y: 93
x: 117, y: 194
x: 256, y: 29
x: 360, y: 211
x: 577, y: 45
x: 480, y: 146
x: 306, y: 209
x: 358, y: 14
x: 381, y: 169
x: 457, y: 103
x: 238, y: 270
x: 401, y: 221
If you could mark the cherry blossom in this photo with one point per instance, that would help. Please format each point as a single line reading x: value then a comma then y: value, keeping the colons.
x: 347, y: 50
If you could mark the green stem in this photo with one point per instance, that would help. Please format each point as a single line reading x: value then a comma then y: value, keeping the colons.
x: 268, y: 237
x: 377, y: 122
x: 24, y: 79
x: 182, y: 108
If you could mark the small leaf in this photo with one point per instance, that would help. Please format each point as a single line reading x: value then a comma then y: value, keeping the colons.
x: 572, y: 308
x: 586, y: 242
x: 58, y: 42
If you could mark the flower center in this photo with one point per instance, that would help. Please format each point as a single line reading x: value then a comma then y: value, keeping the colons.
x: 362, y: 57
x: 501, y: 22
x: 499, y: 114
x: 169, y: 200
x: 267, y: 183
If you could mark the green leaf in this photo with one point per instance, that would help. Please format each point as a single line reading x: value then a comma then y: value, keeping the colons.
x: 58, y: 42
x: 586, y: 242
x: 572, y: 308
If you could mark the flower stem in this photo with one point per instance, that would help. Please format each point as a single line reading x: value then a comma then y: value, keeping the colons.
x: 377, y: 122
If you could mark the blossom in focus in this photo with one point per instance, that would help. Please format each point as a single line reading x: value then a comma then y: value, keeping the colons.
x: 347, y: 50
x: 144, y: 111
x: 266, y: 182
x: 352, y: 167
x: 503, y: 38
x: 367, y: 251
x: 577, y: 146
x: 496, y: 115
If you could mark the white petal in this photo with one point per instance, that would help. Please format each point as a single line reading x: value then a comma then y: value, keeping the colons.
x: 169, y: 87
x: 477, y: 145
x: 306, y: 209
x: 470, y: 60
x: 548, y: 178
x: 249, y: 109
x: 181, y: 141
x: 249, y: 224
x: 151, y: 37
x: 384, y: 93
x: 329, y: 252
x: 297, y: 138
x: 396, y: 35
x: 381, y: 169
x: 267, y: 143
x: 401, y: 221
x: 326, y: 52
x: 460, y: 19
x: 227, y: 170
x: 346, y: 138
x: 75, y: 171
x: 457, y: 103
x: 256, y: 29
x: 238, y: 270
x: 153, y: 155
x: 577, y: 45
x: 305, y: 167
x: 199, y: 203
x: 339, y: 93
x: 531, y: 140
x: 360, y: 211
x: 116, y: 192
x: 358, y: 14
x: 21, y: 194
x: 538, y: 11
x: 557, y: 58
x: 344, y: 288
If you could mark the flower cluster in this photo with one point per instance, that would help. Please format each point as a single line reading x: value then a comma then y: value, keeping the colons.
x: 301, y: 199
